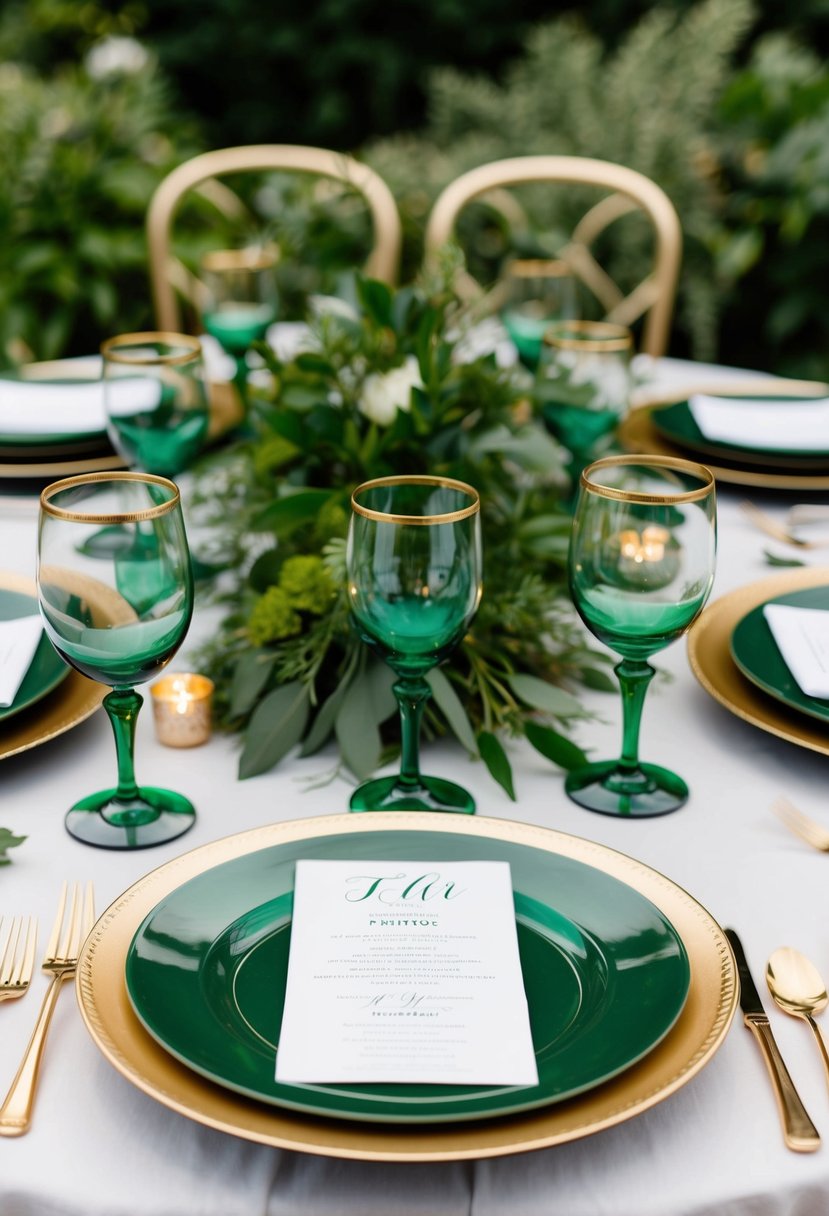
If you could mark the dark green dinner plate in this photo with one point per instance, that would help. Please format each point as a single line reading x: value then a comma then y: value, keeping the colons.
x: 606, y: 976
x: 756, y: 653
x: 47, y: 668
x: 676, y: 423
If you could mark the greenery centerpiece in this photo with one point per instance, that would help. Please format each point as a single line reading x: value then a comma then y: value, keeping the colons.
x: 390, y: 384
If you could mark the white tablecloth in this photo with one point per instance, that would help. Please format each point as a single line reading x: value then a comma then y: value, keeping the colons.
x: 98, y: 1147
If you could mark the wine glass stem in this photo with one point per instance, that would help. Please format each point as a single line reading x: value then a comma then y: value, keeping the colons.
x: 123, y: 705
x: 634, y: 677
x: 412, y: 695
x: 240, y: 379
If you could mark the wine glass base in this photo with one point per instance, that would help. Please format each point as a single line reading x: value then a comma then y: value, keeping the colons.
x: 433, y: 794
x: 154, y: 817
x: 648, y: 792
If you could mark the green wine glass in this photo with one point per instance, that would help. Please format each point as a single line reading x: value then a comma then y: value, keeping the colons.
x: 118, y: 620
x: 155, y: 400
x: 641, y: 565
x: 240, y: 302
x: 414, y: 581
x: 584, y: 387
x: 535, y: 292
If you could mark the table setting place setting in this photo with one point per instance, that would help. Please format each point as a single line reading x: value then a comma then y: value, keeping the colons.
x: 417, y: 966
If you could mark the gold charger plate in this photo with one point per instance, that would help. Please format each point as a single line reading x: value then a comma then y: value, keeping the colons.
x: 637, y: 433
x: 695, y: 1037
x: 74, y: 700
x: 709, y: 654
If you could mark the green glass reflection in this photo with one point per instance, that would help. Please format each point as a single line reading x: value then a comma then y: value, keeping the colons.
x: 641, y: 565
x: 414, y: 573
x: 119, y: 620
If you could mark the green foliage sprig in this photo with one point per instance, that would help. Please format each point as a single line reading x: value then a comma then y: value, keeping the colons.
x: 384, y: 388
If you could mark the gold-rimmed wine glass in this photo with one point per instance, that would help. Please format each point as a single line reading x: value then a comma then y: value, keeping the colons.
x: 155, y: 399
x: 118, y: 620
x: 240, y: 301
x: 533, y: 293
x: 414, y: 584
x: 641, y: 566
x: 584, y: 386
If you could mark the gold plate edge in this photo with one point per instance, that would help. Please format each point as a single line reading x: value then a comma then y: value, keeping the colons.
x: 709, y: 953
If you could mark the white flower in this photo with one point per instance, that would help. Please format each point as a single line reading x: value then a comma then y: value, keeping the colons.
x: 386, y: 393
x: 114, y: 55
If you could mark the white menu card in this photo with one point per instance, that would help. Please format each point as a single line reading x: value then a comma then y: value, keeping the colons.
x: 802, y: 637
x: 405, y: 971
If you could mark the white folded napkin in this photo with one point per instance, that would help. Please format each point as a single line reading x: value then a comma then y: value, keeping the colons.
x: 28, y: 407
x: 18, y: 643
x: 765, y: 425
x: 802, y: 637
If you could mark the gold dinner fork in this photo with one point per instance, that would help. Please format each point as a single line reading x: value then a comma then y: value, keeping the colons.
x: 60, y: 961
x: 17, y: 956
x: 807, y: 829
x: 778, y: 531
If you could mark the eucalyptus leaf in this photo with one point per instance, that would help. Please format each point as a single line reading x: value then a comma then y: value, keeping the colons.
x: 276, y: 725
x: 450, y: 705
x: 541, y: 695
x: 8, y: 841
x: 376, y: 300
x: 495, y: 758
x: 555, y: 747
x: 598, y: 680
x: 773, y: 559
x: 357, y: 731
x: 381, y: 686
x: 287, y: 513
x: 323, y: 723
x: 249, y: 678
x: 265, y: 570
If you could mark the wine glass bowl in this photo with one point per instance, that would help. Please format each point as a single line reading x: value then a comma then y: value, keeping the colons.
x: 118, y: 620
x: 535, y: 292
x: 155, y: 399
x: 584, y: 385
x: 641, y: 566
x: 414, y: 583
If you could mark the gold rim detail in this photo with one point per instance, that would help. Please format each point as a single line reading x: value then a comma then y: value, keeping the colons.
x: 690, y: 467
x: 450, y: 517
x: 538, y: 268
x: 592, y: 336
x: 124, y: 517
x: 116, y: 350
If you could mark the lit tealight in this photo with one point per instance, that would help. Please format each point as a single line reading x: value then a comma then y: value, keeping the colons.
x: 182, y: 709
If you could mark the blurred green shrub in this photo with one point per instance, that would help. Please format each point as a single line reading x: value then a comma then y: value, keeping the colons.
x: 771, y: 250
x: 651, y: 104
x: 83, y: 147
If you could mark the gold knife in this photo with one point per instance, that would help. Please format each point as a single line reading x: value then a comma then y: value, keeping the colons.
x: 799, y: 1132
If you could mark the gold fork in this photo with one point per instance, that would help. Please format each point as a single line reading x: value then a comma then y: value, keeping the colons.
x: 60, y: 961
x: 778, y: 531
x: 807, y: 829
x: 17, y: 957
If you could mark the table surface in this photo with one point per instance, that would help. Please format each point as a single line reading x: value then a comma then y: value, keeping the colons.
x: 99, y: 1147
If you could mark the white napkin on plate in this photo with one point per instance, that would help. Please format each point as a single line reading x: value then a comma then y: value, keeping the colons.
x: 18, y: 643
x: 28, y: 407
x: 802, y: 637
x: 765, y: 425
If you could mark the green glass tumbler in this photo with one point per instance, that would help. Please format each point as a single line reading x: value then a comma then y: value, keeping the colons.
x: 118, y: 620
x: 641, y: 566
x: 533, y: 293
x: 414, y: 582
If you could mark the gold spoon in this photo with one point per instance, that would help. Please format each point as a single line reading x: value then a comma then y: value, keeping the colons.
x: 796, y: 986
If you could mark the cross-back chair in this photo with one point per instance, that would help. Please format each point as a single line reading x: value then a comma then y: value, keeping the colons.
x: 170, y: 279
x: 652, y: 298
